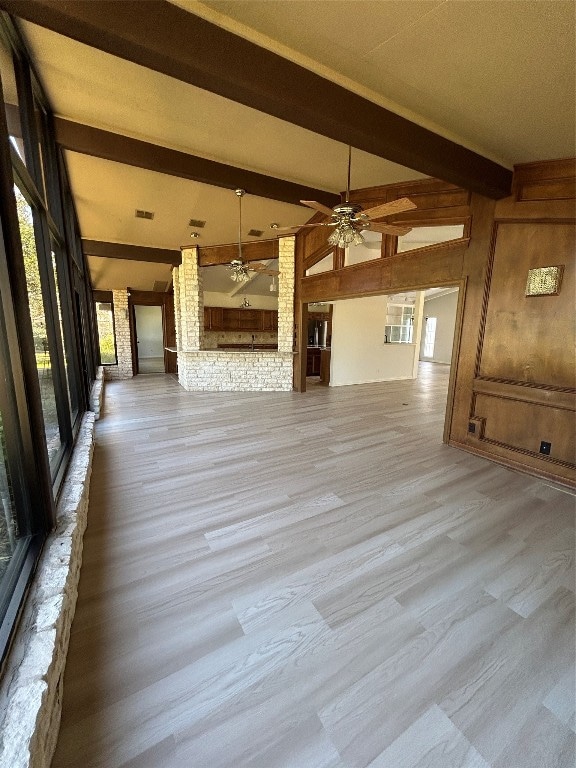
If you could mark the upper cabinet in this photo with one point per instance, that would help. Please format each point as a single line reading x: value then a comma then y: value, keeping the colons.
x: 229, y: 319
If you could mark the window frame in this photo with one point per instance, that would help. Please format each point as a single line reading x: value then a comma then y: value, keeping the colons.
x: 105, y: 297
x: 43, y: 182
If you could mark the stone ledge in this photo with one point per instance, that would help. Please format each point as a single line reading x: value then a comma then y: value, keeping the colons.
x: 97, y: 393
x: 31, y: 687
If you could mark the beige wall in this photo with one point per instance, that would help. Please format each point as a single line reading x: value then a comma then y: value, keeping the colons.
x: 443, y: 308
x: 359, y: 354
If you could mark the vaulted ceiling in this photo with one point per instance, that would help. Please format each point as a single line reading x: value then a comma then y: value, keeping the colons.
x: 168, y: 107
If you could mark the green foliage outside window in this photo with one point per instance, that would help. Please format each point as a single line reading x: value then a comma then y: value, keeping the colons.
x: 105, y: 321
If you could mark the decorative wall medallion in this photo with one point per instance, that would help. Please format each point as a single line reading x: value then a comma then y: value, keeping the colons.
x: 544, y: 281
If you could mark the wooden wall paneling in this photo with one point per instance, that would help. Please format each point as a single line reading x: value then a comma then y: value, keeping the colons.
x: 438, y: 264
x: 551, y: 189
x: 556, y: 397
x: 385, y: 193
x: 426, y: 193
x: 323, y: 287
x: 521, y: 426
x: 473, y: 270
x: 169, y: 323
x: 368, y: 278
x: 301, y: 344
x: 548, y: 180
x: 133, y: 336
x: 300, y: 320
x: 530, y: 338
x: 316, y: 248
x: 535, y: 210
x: 339, y: 257
x: 456, y: 352
x: 524, y: 387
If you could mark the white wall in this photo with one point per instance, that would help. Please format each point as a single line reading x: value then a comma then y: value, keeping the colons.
x: 149, y: 331
x: 213, y: 299
x: 359, y: 354
x: 443, y: 308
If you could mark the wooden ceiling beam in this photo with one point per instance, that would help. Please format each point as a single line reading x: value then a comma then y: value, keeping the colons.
x: 163, y: 37
x: 130, y: 252
x: 256, y: 250
x: 96, y: 142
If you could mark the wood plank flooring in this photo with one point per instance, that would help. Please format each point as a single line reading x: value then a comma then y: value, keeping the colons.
x: 315, y: 581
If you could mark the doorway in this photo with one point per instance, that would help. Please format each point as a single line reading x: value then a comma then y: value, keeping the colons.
x: 383, y: 339
x: 149, y: 338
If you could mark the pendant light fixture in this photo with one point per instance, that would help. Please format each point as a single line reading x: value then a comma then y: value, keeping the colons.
x: 238, y: 272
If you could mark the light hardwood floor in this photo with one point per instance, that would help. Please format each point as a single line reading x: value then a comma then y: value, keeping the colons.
x: 315, y: 581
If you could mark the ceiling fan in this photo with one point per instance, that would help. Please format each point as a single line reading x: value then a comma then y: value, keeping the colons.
x: 349, y: 219
x: 239, y: 270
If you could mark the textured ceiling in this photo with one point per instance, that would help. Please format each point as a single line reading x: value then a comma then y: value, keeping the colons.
x: 497, y: 77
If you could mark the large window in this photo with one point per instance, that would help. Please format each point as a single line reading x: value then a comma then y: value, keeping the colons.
x: 9, y: 531
x: 43, y: 353
x: 106, y: 334
x: 47, y: 354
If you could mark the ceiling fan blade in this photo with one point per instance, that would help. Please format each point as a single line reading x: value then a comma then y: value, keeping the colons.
x: 318, y: 207
x: 257, y: 266
x: 386, y: 229
x: 387, y: 209
x: 299, y: 226
x: 271, y: 272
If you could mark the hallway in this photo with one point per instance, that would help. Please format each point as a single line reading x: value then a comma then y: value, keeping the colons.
x: 276, y: 580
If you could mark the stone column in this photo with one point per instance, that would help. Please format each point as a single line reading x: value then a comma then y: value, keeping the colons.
x: 123, y: 368
x: 177, y: 316
x: 191, y: 301
x: 286, y: 250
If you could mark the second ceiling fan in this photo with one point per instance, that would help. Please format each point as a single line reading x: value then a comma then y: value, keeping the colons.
x: 239, y: 269
x: 349, y: 219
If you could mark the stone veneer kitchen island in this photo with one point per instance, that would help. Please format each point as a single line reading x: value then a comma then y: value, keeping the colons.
x: 209, y: 370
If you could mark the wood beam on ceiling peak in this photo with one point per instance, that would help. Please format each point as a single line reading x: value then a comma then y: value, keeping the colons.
x: 128, y: 252
x: 96, y: 142
x: 194, y: 50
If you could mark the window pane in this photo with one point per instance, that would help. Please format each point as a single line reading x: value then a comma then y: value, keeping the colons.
x: 420, y: 237
x: 430, y: 337
x: 9, y: 532
x: 11, y: 106
x: 324, y: 265
x: 40, y: 117
x: 105, y: 320
x: 369, y: 250
x: 38, y: 317
x: 67, y: 367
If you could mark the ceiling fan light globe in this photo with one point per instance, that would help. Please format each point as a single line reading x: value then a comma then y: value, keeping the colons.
x: 334, y: 238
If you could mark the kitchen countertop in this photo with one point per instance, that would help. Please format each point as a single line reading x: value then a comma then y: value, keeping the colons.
x: 244, y: 347
x: 236, y: 351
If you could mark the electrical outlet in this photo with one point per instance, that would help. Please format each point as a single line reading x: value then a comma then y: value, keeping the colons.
x: 545, y: 447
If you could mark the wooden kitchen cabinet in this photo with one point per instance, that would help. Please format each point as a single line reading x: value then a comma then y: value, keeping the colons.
x: 269, y: 320
x: 230, y: 319
x: 313, y: 361
x: 213, y: 318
